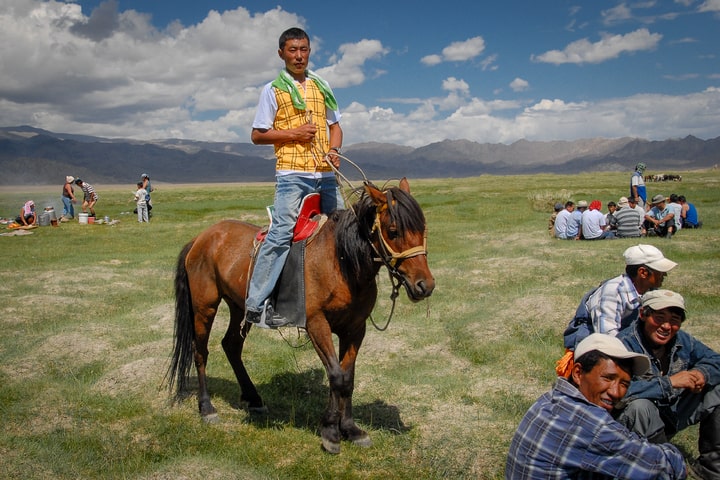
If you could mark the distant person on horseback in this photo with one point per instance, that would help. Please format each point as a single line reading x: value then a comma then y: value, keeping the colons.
x: 298, y: 114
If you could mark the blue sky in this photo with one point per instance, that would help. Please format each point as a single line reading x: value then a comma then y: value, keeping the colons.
x: 404, y: 72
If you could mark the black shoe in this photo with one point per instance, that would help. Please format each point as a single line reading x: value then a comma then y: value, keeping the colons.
x: 253, y: 317
x: 274, y: 319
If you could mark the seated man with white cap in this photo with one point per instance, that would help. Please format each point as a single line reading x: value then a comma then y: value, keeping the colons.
x: 682, y: 387
x: 615, y: 303
x: 569, y: 432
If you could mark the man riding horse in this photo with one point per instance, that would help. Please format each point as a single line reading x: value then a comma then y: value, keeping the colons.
x: 298, y: 114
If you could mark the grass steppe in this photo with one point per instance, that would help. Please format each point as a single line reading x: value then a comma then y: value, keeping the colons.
x: 87, y: 326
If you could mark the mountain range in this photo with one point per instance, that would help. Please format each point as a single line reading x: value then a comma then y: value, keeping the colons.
x: 34, y: 156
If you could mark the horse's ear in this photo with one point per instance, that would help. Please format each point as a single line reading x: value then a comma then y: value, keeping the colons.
x: 404, y: 185
x: 377, y: 196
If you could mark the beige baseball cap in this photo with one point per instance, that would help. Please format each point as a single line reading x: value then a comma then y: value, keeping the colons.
x: 613, y: 348
x: 659, y: 299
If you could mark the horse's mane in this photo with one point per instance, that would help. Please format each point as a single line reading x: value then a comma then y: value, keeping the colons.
x: 354, y: 226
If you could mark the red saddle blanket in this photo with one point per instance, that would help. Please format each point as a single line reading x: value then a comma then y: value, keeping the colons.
x: 306, y: 225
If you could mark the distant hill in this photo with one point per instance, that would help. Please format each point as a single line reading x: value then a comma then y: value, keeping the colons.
x: 38, y: 157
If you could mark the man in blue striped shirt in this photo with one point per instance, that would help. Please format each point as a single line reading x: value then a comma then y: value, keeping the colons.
x: 569, y: 432
x: 615, y: 303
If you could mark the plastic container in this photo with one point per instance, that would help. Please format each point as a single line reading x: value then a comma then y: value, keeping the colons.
x: 83, y: 218
x: 91, y: 220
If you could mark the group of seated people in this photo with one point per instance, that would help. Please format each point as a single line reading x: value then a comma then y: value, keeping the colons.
x: 624, y: 219
x: 630, y: 380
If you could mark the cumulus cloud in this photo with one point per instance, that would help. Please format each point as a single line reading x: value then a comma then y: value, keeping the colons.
x: 112, y: 73
x: 641, y: 116
x: 453, y: 84
x: 519, y: 85
x: 102, y: 23
x: 609, y: 47
x: 457, y: 52
x: 347, y: 67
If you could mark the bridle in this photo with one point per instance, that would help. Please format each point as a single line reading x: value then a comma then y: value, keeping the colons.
x: 386, y: 255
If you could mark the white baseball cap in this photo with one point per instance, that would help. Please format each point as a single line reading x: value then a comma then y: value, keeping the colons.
x: 649, y: 256
x: 613, y: 348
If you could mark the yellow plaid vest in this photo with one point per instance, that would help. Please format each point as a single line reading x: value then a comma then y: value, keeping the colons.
x: 302, y: 157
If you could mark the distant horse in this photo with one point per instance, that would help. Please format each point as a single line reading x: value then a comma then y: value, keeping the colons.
x: 341, y: 263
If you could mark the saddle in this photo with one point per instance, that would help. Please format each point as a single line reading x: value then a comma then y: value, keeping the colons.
x: 288, y: 295
x: 309, y: 219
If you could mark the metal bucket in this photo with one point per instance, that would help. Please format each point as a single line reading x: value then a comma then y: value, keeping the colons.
x: 44, y: 219
x: 50, y: 212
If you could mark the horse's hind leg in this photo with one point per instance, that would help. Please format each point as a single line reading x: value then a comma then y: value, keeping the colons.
x: 232, y: 344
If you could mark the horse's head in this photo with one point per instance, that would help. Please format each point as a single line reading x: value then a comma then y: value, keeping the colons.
x: 399, y: 236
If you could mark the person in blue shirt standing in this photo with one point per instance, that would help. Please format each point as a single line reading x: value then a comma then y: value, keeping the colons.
x: 569, y: 432
x: 637, y: 185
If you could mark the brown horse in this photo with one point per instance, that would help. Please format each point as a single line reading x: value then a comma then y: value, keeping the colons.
x: 341, y: 263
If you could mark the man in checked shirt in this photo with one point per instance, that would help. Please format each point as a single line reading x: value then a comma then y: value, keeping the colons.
x: 570, y: 433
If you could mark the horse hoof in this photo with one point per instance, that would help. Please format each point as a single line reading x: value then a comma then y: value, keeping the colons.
x: 364, y: 441
x: 331, y: 447
x: 263, y: 409
x: 211, y: 418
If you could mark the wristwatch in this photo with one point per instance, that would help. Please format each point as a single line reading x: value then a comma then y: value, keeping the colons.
x: 337, y: 149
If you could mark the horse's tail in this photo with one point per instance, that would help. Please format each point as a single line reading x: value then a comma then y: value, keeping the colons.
x: 182, y: 356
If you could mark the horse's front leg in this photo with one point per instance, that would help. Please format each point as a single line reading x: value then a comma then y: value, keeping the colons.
x: 321, y: 336
x: 349, y: 347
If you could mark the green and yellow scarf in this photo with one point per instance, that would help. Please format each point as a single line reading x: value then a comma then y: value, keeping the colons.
x: 286, y: 83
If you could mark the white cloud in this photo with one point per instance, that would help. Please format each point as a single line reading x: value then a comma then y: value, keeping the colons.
x: 113, y: 74
x: 431, y: 60
x: 348, y: 66
x: 488, y: 63
x: 609, y: 47
x: 519, y: 85
x: 457, y: 52
x: 710, y: 6
x: 643, y: 116
x: 453, y: 84
x: 616, y: 14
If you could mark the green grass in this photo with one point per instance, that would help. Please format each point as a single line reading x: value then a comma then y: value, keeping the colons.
x: 87, y: 314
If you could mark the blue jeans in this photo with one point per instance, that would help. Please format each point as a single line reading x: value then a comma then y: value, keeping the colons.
x: 289, y: 192
x: 68, y: 209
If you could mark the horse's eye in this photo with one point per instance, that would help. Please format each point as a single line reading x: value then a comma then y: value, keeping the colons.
x: 392, y: 232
